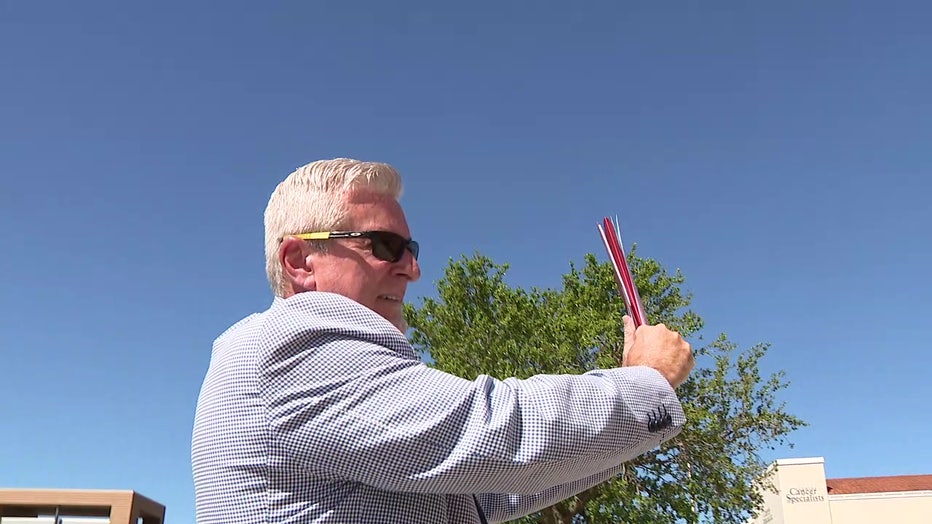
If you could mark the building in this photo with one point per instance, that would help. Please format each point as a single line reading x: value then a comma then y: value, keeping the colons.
x: 804, y: 496
x: 54, y: 520
x: 78, y: 506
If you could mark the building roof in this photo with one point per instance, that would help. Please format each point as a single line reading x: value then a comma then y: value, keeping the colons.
x: 879, y: 484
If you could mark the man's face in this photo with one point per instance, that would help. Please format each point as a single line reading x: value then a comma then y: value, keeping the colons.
x: 349, y: 268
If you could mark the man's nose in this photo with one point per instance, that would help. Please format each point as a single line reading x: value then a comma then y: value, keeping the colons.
x: 408, y: 266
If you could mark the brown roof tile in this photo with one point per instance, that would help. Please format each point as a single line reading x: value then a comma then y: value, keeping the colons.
x: 879, y: 484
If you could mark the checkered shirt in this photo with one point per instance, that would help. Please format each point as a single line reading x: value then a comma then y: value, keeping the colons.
x: 318, y: 410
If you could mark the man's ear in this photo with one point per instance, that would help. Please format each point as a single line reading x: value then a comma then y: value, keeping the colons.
x: 297, y: 264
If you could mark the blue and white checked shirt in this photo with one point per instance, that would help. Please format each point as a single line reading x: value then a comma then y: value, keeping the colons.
x: 318, y: 410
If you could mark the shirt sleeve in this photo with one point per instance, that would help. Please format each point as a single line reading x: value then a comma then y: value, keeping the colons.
x: 345, y: 403
x: 502, y: 507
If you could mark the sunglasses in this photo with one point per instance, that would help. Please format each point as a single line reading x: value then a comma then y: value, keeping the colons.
x: 385, y: 245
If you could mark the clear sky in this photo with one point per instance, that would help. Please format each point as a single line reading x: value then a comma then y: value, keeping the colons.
x: 777, y: 153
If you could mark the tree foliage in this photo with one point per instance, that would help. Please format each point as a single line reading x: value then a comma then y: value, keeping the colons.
x: 478, y: 324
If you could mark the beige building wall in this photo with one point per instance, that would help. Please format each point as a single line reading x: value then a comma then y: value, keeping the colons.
x: 910, y: 507
x: 802, y: 498
x: 773, y: 510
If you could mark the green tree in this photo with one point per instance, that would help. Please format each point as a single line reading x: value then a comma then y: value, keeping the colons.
x: 478, y: 324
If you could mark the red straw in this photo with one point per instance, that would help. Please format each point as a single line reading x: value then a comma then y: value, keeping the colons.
x: 612, y: 240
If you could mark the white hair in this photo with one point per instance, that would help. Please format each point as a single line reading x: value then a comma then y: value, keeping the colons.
x: 313, y: 198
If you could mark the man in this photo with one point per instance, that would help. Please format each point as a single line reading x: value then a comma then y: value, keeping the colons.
x: 318, y: 410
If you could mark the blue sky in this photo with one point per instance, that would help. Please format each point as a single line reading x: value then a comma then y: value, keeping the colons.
x: 777, y: 154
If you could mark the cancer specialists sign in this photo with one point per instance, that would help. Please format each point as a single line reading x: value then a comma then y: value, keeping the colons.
x: 807, y: 494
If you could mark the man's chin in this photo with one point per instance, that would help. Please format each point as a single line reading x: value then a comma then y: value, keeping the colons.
x: 396, y: 318
x: 398, y: 322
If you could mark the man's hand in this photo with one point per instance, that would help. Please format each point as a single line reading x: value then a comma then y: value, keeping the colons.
x: 659, y: 348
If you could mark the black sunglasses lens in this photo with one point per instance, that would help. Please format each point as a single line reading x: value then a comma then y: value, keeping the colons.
x: 391, y: 247
x: 388, y: 246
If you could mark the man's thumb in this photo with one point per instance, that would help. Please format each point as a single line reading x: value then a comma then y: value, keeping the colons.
x: 629, y: 335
